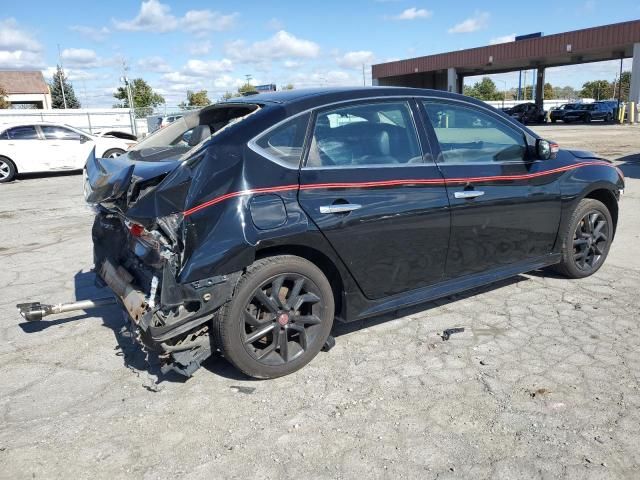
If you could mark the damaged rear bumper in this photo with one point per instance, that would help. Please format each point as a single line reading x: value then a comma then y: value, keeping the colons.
x: 178, y: 333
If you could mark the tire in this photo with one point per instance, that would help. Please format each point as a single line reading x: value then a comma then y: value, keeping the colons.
x: 580, y: 243
x: 608, y: 118
x: 249, y: 329
x: 587, y: 119
x: 8, y: 170
x: 554, y: 120
x: 113, y: 152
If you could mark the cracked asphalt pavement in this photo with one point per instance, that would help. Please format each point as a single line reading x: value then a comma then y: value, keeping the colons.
x: 542, y: 382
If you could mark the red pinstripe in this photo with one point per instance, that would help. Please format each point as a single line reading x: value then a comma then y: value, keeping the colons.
x: 392, y: 183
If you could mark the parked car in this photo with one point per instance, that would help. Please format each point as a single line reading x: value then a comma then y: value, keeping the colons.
x: 156, y: 122
x: 46, y: 147
x: 587, y: 112
x: 558, y: 113
x: 526, y: 113
x: 288, y: 210
x: 117, y: 134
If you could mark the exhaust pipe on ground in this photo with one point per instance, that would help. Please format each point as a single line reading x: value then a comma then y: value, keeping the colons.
x: 35, y: 311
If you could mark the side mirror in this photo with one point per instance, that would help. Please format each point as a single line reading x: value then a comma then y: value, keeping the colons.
x: 546, y: 150
x: 83, y: 139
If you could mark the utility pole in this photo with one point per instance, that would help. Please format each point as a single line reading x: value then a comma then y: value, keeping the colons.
x: 60, y: 78
x: 132, y: 114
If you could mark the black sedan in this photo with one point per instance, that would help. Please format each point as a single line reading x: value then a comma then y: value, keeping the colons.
x: 558, y: 113
x: 284, y: 211
x: 587, y: 112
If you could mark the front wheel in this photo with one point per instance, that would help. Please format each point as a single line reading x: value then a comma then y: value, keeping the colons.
x: 587, y: 239
x: 278, y: 319
x: 587, y: 119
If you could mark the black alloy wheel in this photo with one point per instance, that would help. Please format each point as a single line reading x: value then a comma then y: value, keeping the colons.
x: 279, y: 317
x: 586, y: 239
x: 590, y: 240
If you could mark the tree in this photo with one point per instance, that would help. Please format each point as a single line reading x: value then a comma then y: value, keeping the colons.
x: 548, y: 91
x: 196, y: 99
x: 288, y: 86
x: 246, y: 88
x: 227, y: 96
x: 144, y: 98
x: 566, y: 93
x: 597, y: 89
x: 624, y: 85
x: 57, y: 98
x: 4, y: 103
x: 485, y: 89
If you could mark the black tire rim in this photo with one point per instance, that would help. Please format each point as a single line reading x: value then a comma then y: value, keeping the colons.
x: 5, y: 170
x: 282, y: 319
x: 590, y: 240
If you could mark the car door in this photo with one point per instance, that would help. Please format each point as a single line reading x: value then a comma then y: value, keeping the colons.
x: 23, y: 145
x: 375, y: 194
x: 505, y: 207
x: 67, y: 148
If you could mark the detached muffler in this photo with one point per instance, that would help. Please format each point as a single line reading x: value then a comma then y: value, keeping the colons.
x: 36, y: 311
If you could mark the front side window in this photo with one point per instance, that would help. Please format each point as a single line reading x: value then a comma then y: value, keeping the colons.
x: 284, y: 143
x: 26, y: 132
x: 59, y: 133
x: 467, y: 135
x: 372, y: 134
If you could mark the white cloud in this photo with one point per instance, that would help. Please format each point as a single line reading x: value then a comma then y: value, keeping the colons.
x: 356, y: 59
x: 325, y: 78
x: 72, y: 74
x: 200, y: 48
x: 413, y: 13
x: 291, y: 64
x: 157, y: 17
x: 18, y: 49
x: 503, y: 39
x: 153, y: 64
x: 201, y: 22
x: 202, y: 68
x: 153, y: 16
x: 281, y: 45
x: 479, y: 21
x: 12, y: 38
x: 92, y: 33
x: 79, y: 57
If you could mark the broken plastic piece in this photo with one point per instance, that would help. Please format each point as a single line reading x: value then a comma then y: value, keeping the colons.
x: 446, y: 334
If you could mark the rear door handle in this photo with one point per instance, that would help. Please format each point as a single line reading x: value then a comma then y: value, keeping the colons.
x: 468, y: 194
x: 340, y: 208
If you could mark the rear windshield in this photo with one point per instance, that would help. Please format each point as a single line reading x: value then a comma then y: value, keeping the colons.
x: 188, y: 132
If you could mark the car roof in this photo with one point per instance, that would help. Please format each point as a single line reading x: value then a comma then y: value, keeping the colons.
x: 320, y: 96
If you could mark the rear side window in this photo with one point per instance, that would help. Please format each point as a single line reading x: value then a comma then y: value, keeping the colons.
x: 372, y: 134
x: 26, y: 132
x: 284, y: 143
x: 467, y: 135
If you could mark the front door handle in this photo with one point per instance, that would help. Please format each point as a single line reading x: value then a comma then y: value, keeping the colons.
x: 468, y: 194
x: 340, y: 208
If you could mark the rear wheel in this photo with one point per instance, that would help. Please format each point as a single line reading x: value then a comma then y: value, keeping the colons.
x: 113, y: 153
x: 587, y: 119
x: 587, y: 239
x: 608, y: 118
x: 278, y: 319
x: 7, y: 170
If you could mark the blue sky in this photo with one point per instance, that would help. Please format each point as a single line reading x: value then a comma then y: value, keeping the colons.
x: 177, y: 46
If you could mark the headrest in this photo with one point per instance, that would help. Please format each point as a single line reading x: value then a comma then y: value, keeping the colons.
x: 200, y: 134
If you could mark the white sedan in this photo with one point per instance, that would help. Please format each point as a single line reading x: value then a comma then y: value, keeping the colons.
x: 47, y: 147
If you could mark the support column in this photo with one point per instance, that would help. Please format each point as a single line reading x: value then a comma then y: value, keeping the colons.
x: 540, y: 87
x: 634, y: 91
x: 452, y: 81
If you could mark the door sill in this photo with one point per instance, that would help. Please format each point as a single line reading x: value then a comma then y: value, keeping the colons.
x: 457, y: 285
